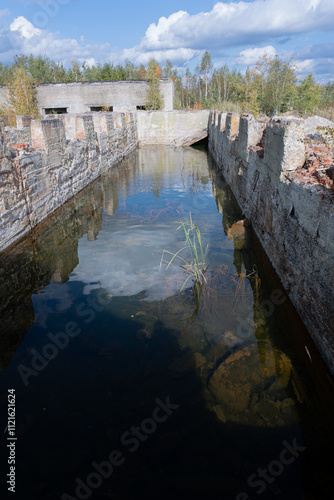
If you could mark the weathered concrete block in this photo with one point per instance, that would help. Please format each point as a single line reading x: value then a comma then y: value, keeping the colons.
x: 284, y: 148
x: 232, y: 125
x: 250, y: 134
x: 23, y: 121
x: 37, y: 135
x: 222, y: 121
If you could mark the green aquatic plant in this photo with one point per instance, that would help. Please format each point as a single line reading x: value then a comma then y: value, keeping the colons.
x: 196, y: 267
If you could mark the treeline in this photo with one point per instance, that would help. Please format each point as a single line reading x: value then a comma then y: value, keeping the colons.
x: 271, y: 86
x: 44, y: 70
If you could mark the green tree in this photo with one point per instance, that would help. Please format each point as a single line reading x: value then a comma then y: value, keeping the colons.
x: 131, y: 72
x: 154, y: 98
x: 20, y: 61
x: 5, y: 72
x: 169, y: 71
x: 327, y: 95
x: 249, y: 90
x: 276, y: 83
x: 205, y: 68
x: 41, y: 69
x: 309, y: 95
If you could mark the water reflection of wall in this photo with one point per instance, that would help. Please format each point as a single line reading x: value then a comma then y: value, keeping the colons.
x: 51, y: 253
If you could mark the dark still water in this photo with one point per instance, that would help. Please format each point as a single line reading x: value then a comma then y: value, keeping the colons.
x: 127, y: 389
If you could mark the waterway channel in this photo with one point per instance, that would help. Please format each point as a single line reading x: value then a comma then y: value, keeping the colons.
x: 127, y: 388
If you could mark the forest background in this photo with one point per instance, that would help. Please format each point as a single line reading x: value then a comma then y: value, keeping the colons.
x: 271, y: 86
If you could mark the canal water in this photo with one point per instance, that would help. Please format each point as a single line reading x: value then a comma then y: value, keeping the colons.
x: 128, y: 383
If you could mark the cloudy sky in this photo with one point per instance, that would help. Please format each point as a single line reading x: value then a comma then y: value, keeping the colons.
x: 234, y: 32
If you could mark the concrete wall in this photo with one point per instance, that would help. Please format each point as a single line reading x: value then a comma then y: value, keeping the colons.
x: 78, y: 97
x: 291, y: 211
x: 67, y: 154
x: 177, y: 128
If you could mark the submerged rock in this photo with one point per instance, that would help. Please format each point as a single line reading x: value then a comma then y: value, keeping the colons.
x: 235, y: 379
x: 250, y: 387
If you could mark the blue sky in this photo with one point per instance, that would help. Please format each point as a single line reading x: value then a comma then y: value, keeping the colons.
x: 236, y: 33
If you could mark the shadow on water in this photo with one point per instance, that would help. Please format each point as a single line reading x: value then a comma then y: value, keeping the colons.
x: 133, y: 405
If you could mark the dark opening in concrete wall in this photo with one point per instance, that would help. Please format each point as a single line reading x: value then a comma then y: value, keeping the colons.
x: 101, y: 108
x: 55, y: 111
x: 141, y: 108
x: 202, y: 143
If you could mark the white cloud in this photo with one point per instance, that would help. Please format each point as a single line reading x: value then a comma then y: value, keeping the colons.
x: 91, y: 61
x: 138, y: 56
x: 24, y: 37
x: 182, y: 36
x: 248, y: 57
x: 24, y: 28
x: 240, y: 23
x: 306, y: 66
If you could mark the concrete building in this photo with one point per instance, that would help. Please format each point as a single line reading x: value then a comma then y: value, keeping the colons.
x: 83, y: 97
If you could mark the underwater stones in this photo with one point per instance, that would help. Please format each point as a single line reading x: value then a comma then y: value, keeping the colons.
x: 245, y: 388
x: 187, y: 363
x: 275, y: 363
x: 270, y: 411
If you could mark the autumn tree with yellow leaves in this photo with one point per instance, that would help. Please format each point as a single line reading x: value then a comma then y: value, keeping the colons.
x: 21, y: 96
x: 154, y: 98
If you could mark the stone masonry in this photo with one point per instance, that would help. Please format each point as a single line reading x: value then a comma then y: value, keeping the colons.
x: 284, y: 187
x: 62, y: 157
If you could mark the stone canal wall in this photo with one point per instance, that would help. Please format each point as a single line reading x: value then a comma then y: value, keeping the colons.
x: 281, y: 173
x: 44, y: 163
